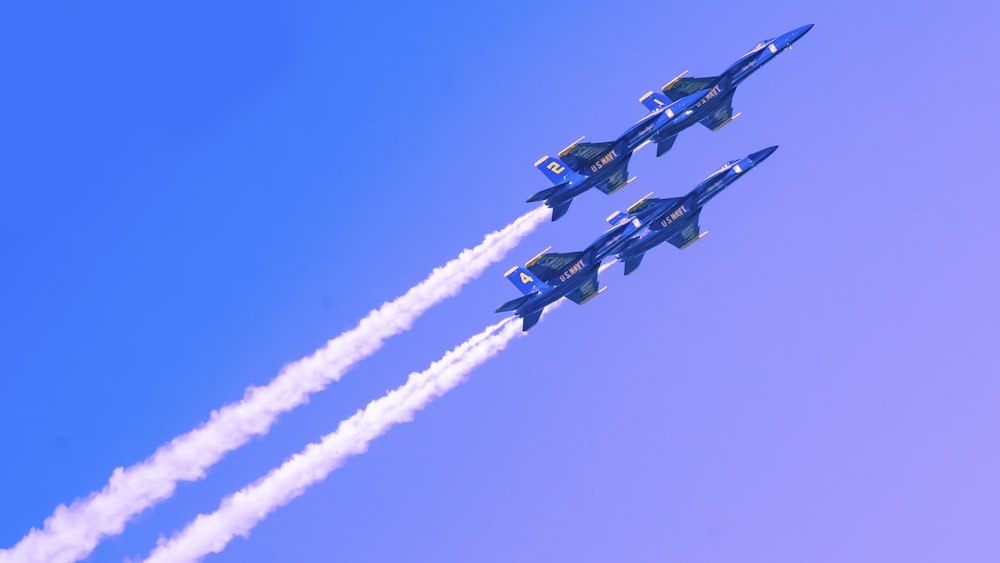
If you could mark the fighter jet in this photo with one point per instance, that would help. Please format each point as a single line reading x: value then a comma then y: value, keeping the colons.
x: 550, y: 276
x: 675, y: 220
x: 604, y: 166
x: 713, y: 106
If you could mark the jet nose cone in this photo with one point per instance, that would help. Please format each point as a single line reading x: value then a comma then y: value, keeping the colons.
x: 798, y: 33
x: 761, y: 155
x: 785, y: 41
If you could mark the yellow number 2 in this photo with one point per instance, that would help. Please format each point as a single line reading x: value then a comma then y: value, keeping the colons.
x: 554, y: 166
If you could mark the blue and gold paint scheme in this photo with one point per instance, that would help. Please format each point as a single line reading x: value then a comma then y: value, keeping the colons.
x: 711, y: 98
x: 675, y: 220
x: 682, y: 102
x: 582, y: 166
x: 550, y: 276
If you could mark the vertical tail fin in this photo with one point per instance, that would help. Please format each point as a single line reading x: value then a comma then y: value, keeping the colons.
x: 554, y: 169
x: 654, y: 100
x: 524, y: 280
x: 618, y: 217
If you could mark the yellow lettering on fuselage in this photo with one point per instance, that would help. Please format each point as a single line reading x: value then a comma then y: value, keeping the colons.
x: 572, y: 270
x: 604, y: 160
x: 676, y: 214
x: 711, y: 94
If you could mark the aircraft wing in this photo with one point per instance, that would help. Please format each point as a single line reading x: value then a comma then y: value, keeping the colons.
x: 680, y: 87
x: 551, y: 264
x: 642, y: 206
x: 689, y: 233
x: 585, y: 292
x: 580, y: 156
x: 722, y: 116
x: 617, y: 179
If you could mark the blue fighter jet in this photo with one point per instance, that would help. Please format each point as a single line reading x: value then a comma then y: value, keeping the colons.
x: 550, y: 276
x: 713, y: 103
x: 675, y: 220
x: 604, y: 166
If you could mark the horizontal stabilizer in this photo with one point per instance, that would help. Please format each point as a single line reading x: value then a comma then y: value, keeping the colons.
x: 546, y: 193
x: 560, y: 209
x: 530, y: 321
x: 632, y: 262
x: 515, y: 303
x: 665, y: 145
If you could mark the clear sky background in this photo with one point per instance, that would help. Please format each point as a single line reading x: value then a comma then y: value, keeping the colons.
x: 195, y: 195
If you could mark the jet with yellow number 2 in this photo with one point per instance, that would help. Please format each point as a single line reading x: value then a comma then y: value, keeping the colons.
x: 675, y: 220
x: 604, y: 166
x: 550, y: 276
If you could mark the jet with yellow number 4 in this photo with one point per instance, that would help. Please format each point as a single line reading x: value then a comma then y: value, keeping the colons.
x: 550, y: 276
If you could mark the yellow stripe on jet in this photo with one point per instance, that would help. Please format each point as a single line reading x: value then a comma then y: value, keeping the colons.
x: 531, y: 262
x: 635, y: 205
x: 541, y: 160
x: 510, y: 271
x: 570, y: 147
x: 648, y: 94
x: 674, y: 81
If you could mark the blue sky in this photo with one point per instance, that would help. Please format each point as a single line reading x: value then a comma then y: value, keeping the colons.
x: 195, y: 196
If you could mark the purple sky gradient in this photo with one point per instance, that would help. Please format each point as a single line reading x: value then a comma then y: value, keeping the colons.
x: 195, y: 196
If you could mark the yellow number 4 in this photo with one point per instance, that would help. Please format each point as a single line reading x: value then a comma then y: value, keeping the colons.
x: 554, y: 166
x: 525, y: 278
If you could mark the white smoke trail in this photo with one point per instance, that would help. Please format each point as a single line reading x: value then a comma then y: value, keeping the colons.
x: 72, y: 532
x: 240, y: 512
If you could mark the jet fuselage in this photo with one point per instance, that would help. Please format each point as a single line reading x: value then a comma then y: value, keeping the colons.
x: 665, y: 221
x: 575, y: 274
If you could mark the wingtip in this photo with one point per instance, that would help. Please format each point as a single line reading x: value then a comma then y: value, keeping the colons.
x: 566, y: 150
x: 532, y: 262
x: 674, y: 81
